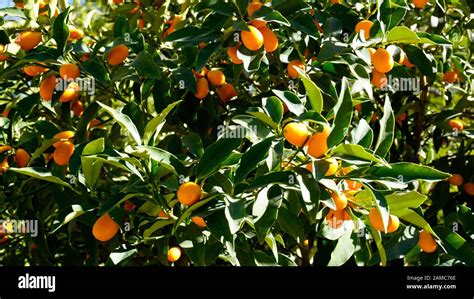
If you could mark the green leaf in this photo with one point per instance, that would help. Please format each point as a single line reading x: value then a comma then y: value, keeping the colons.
x: 274, y: 108
x: 343, y: 251
x: 206, y: 53
x: 265, y: 209
x: 41, y: 174
x: 455, y: 245
x: 310, y: 193
x: 378, y: 242
x: 96, y: 70
x: 194, y: 144
x: 268, y: 14
x: 291, y: 100
x: 402, y: 35
x: 119, y: 257
x: 251, y: 158
x: 235, y: 213
x: 423, y: 62
x: 312, y: 90
x: 362, y: 134
x: 357, y: 151
x: 407, y: 172
x: 342, y: 116
x: 161, y: 156
x: 145, y: 66
x: 91, y: 167
x: 61, y: 30
x: 153, y: 126
x: 291, y: 224
x: 124, y: 121
x: 156, y: 226
x: 414, y: 218
x: 387, y: 127
x: 94, y: 147
x: 404, y: 200
x: 215, y: 155
x: 62, y: 218
x: 192, y: 208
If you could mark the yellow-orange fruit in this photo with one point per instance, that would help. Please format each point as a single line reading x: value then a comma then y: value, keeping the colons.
x: 456, y: 124
x: 335, y: 218
x: 450, y: 77
x: 63, y: 153
x: 296, y: 133
x: 270, y: 40
x: 174, y: 254
x: 28, y: 40
x: 189, y: 193
x: 426, y: 242
x: 383, y: 61
x: 336, y: 1
x: 216, y: 77
x: 117, y: 54
x: 3, y: 50
x: 69, y: 71
x: 141, y: 23
x: 232, y: 53
x: 420, y: 3
x: 4, y: 148
x: 71, y: 93
x: 63, y: 136
x: 353, y: 185
x: 402, y: 117
x: 118, y: 1
x: 226, y: 92
x: 105, y: 228
x: 34, y: 70
x: 364, y: 25
x: 252, y: 39
x: 379, y: 80
x: 339, y: 199
x: 4, y: 165
x: 258, y: 23
x: 22, y: 157
x: 77, y: 107
x: 406, y: 62
x: 47, y: 87
x: 375, y: 220
x: 75, y: 33
x: 317, y: 143
x: 456, y: 179
x: 199, y: 221
x: 469, y: 188
x: 202, y: 88
x: 291, y: 68
x: 253, y: 7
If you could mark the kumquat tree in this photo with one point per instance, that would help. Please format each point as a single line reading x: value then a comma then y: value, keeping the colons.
x: 236, y: 132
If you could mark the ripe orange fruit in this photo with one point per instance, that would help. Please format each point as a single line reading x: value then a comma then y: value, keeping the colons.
x: 105, y: 228
x: 252, y: 39
x: 450, y: 77
x: 77, y: 107
x: 202, y: 88
x: 364, y: 25
x: 402, y: 117
x: 226, y: 92
x: 4, y: 148
x: 162, y: 214
x: 174, y: 254
x: 141, y: 23
x: 34, y: 70
x: 258, y: 23
x: 317, y: 143
x: 47, y: 87
x: 253, y: 7
x: 63, y: 136
x: 75, y: 33
x: 69, y: 71
x: 456, y: 124
x: 296, y: 133
x: 336, y: 1
x: 383, y: 61
x: 292, y: 71
x: 420, y: 3
x: 22, y: 157
x: 379, y: 80
x: 407, y: 62
x: 340, y: 200
x: 335, y: 218
x: 232, y: 53
x: 199, y: 221
x: 189, y: 193
x: 456, y: 179
x: 270, y: 40
x: 63, y: 153
x: 28, y: 40
x: 426, y: 242
x: 71, y: 93
x: 117, y: 54
x: 216, y: 77
x: 469, y: 188
x: 376, y: 221
x: 3, y: 50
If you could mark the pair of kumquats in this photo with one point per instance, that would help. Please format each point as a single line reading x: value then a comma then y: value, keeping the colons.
x: 64, y: 147
x: 22, y: 157
x: 225, y: 91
